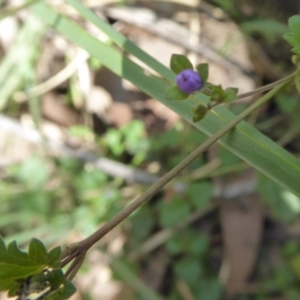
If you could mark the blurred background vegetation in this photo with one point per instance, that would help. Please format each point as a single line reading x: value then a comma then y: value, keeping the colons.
x: 78, y: 144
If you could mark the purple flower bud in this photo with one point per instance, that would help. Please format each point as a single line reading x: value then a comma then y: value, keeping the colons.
x: 189, y: 81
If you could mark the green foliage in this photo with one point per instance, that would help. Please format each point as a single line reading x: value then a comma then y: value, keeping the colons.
x: 34, y: 165
x: 219, y: 95
x: 227, y: 158
x: 285, y: 205
x: 24, y: 273
x: 139, y: 233
x: 203, y: 71
x: 189, y: 269
x: 82, y: 132
x: 173, y: 212
x: 269, y: 29
x: 190, y: 242
x: 287, y: 104
x: 174, y: 93
x: 209, y: 289
x: 248, y: 143
x: 293, y: 37
x: 89, y: 191
x: 282, y: 280
x: 131, y: 139
x: 199, y: 112
x: 200, y: 193
x: 179, y: 63
x: 230, y: 94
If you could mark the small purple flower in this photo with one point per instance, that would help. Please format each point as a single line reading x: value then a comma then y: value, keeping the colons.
x: 189, y: 81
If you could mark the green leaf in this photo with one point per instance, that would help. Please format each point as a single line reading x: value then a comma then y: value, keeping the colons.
x: 284, y: 205
x: 287, y: 103
x: 174, y: 245
x: 179, y: 63
x: 294, y: 25
x: 64, y: 292
x: 174, y: 212
x: 56, y: 278
x: 245, y: 141
x: 293, y: 37
x: 68, y: 290
x: 200, y: 194
x: 54, y: 257
x: 14, y: 288
x: 203, y: 71
x: 174, y: 93
x: 230, y: 94
x: 209, y: 289
x: 217, y: 94
x: 190, y: 242
x: 37, y: 251
x: 270, y: 29
x: 199, y: 112
x: 34, y: 165
x: 189, y: 269
x: 198, y: 245
x: 26, y: 271
x: 15, y: 264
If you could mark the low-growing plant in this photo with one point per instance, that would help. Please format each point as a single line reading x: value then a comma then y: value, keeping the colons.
x: 183, y: 88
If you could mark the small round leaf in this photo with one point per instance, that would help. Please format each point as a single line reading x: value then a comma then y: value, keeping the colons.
x: 199, y: 112
x: 203, y: 71
x: 217, y: 94
x: 174, y: 93
x: 179, y: 63
x: 230, y: 94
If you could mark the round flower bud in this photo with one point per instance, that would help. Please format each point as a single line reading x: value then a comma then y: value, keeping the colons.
x: 189, y: 81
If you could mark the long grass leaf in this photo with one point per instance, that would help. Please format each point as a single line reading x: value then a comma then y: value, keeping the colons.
x: 244, y: 141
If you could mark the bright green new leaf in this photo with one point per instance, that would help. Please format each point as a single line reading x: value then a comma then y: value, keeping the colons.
x: 179, y: 63
x: 54, y: 257
x: 293, y: 37
x: 203, y: 71
x: 174, y: 93
x: 15, y: 264
x: 37, y: 251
